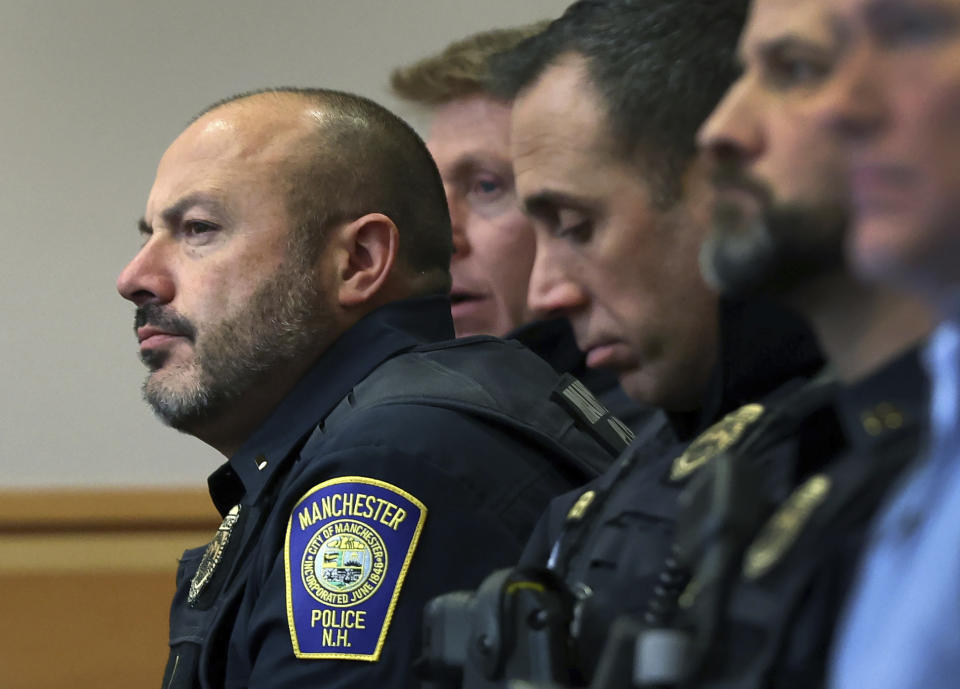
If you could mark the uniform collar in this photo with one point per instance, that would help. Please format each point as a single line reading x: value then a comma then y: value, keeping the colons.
x: 891, y: 399
x: 381, y: 334
x: 941, y: 361
x: 552, y: 340
x: 761, y: 346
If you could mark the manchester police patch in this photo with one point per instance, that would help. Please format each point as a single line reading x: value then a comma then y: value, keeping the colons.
x: 348, y: 548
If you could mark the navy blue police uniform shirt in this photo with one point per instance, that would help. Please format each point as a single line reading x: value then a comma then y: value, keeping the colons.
x: 336, y: 534
x: 553, y: 341
x: 796, y: 570
x: 611, y: 540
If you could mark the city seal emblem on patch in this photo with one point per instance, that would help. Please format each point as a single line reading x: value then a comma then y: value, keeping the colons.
x: 348, y: 548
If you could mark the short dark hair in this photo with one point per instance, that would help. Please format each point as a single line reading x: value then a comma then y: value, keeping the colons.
x: 659, y: 67
x: 367, y: 160
x: 461, y: 69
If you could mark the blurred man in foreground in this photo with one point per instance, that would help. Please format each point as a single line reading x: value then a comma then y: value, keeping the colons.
x: 893, y: 100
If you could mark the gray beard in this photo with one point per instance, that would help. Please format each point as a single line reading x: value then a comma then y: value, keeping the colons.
x: 774, y: 253
x: 284, y: 320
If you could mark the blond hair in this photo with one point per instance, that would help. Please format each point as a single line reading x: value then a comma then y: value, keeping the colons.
x: 459, y: 70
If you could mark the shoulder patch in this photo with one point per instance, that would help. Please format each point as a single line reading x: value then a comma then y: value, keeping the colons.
x: 715, y: 440
x: 348, y: 547
x: 781, y: 530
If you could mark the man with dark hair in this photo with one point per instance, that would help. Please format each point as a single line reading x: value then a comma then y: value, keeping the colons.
x: 469, y: 138
x: 607, y: 103
x: 292, y: 311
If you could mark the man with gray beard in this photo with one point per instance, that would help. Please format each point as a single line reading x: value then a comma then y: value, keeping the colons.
x: 770, y: 569
x: 292, y: 309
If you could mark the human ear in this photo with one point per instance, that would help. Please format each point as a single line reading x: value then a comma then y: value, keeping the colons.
x: 369, y: 248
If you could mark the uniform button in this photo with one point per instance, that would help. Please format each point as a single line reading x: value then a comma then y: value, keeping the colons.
x: 871, y: 424
x: 890, y: 415
x: 261, y: 462
x: 883, y: 417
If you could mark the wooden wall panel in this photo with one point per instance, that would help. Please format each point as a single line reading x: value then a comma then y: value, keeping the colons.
x: 86, y: 579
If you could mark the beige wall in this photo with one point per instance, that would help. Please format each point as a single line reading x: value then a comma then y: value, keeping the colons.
x: 92, y: 93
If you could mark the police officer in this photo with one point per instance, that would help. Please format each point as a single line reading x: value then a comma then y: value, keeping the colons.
x: 607, y: 103
x: 469, y: 138
x: 891, y: 100
x: 292, y: 309
x: 780, y: 230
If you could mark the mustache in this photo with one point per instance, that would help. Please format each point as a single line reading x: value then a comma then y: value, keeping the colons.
x: 167, y: 320
x: 729, y: 175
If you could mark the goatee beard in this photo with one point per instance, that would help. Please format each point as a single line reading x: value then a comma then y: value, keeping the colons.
x: 774, y: 250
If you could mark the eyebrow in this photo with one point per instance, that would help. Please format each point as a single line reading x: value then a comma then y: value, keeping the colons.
x: 880, y: 13
x: 544, y: 204
x: 774, y: 46
x: 470, y: 162
x: 839, y: 29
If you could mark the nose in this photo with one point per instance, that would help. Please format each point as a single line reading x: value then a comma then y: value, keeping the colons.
x: 551, y: 291
x: 459, y: 213
x: 850, y: 106
x: 147, y: 278
x: 732, y: 133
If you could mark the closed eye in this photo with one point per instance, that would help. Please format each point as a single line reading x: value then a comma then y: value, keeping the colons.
x: 573, y: 226
x: 563, y: 215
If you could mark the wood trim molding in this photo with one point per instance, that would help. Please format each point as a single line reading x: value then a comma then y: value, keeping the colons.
x: 79, y: 553
x: 104, y: 530
x: 115, y: 510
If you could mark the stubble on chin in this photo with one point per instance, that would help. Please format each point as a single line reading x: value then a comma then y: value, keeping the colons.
x: 177, y: 394
x: 285, y: 320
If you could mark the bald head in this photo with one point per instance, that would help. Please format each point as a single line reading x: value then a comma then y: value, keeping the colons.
x: 233, y: 144
x: 339, y: 156
x: 275, y: 223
